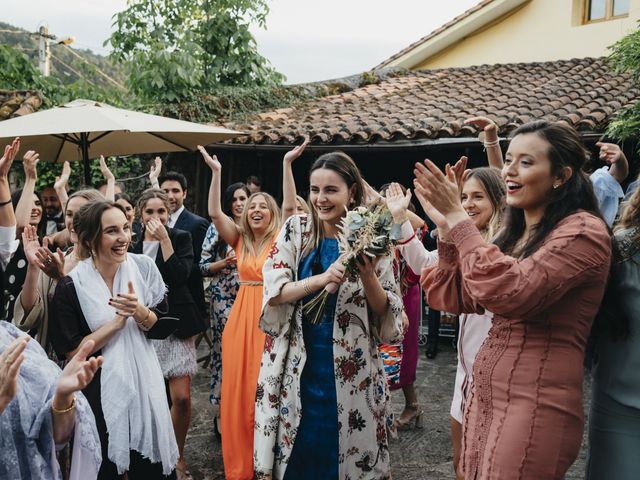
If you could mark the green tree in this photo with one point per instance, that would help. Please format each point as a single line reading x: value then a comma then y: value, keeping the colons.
x: 173, y: 49
x: 625, y: 58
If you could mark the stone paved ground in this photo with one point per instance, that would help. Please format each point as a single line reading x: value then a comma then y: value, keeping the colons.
x: 419, y: 454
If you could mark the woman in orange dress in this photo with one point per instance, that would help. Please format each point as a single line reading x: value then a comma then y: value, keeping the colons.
x: 242, y: 340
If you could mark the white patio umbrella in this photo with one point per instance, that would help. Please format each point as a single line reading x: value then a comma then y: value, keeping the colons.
x: 85, y: 129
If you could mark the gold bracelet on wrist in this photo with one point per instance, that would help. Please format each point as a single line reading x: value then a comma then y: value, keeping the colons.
x: 306, y: 287
x: 64, y: 410
x: 142, y: 322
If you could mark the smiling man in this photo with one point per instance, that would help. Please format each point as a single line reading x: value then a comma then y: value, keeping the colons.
x: 175, y: 186
x: 52, y: 210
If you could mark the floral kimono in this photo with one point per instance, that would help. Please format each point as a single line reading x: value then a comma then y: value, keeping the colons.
x: 364, y: 409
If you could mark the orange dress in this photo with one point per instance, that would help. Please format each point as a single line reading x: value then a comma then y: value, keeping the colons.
x: 242, y: 346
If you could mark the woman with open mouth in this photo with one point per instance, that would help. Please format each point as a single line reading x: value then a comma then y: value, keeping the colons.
x: 324, y: 384
x: 543, y: 278
x: 242, y: 340
x: 115, y: 299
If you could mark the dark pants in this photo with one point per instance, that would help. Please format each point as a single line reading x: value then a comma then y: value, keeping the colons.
x: 433, y: 318
x: 140, y: 468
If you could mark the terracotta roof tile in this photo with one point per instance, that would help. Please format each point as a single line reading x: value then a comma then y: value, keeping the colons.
x: 434, y: 103
x: 15, y: 103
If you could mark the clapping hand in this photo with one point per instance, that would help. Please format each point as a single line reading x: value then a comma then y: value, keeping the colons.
x: 29, y: 162
x: 397, y: 202
x: 63, y: 179
x: 78, y: 372
x: 487, y: 125
x: 10, y: 152
x: 10, y: 361
x: 441, y: 193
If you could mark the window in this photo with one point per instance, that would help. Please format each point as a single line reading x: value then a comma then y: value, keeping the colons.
x: 597, y: 10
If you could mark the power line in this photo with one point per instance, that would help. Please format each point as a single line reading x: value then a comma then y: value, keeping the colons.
x: 115, y: 82
x: 71, y: 69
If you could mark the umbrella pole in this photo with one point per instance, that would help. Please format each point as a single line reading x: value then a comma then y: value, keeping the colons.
x: 84, y: 144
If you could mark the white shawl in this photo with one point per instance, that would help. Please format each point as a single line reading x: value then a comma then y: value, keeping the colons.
x: 133, y: 395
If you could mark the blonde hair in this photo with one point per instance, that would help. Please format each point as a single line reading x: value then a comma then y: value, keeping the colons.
x: 630, y: 215
x: 245, y: 228
x: 303, y: 203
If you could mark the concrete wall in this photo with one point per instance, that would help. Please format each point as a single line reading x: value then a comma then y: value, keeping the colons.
x: 540, y: 30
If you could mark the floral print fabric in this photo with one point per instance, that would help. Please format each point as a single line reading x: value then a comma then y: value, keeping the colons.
x: 364, y: 409
x: 222, y: 293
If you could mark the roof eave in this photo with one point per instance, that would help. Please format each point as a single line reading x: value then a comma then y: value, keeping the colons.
x: 456, y: 32
x: 587, y: 136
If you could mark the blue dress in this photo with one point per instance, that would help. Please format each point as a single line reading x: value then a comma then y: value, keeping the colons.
x: 315, y: 450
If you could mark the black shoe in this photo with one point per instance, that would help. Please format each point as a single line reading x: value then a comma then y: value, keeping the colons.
x: 432, y: 349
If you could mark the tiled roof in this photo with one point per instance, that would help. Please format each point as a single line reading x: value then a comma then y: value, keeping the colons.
x: 436, y: 32
x: 433, y: 104
x: 14, y: 103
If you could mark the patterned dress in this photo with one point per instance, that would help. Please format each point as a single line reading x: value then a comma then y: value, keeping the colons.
x: 222, y: 292
x: 362, y: 395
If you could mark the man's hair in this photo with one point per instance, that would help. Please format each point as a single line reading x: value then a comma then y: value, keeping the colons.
x: 174, y: 176
x: 253, y: 179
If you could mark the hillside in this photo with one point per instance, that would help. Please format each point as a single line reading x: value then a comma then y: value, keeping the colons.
x: 64, y: 64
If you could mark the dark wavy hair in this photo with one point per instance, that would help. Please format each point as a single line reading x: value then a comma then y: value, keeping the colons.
x: 576, y: 193
x: 346, y: 168
x: 41, y: 228
x: 87, y: 223
x: 227, y: 202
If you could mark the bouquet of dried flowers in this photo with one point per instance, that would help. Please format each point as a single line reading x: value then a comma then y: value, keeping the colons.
x: 362, y: 231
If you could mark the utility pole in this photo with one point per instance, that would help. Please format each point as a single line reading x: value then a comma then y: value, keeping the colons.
x: 44, y: 52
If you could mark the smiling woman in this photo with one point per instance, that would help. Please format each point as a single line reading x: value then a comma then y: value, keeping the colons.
x: 242, y: 340
x: 543, y: 278
x: 114, y: 298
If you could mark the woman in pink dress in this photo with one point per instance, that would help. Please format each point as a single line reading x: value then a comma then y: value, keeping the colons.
x: 543, y: 279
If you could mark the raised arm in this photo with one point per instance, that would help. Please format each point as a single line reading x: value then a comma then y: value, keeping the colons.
x: 154, y: 172
x: 489, y: 137
x: 25, y: 204
x: 409, y: 246
x: 224, y: 224
x: 110, y: 194
x: 60, y: 185
x: 7, y: 215
x: 613, y: 156
x: 288, y: 182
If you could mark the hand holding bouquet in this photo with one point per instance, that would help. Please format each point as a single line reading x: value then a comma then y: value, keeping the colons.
x: 364, y: 232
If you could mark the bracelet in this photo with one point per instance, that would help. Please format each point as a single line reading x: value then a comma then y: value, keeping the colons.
x: 492, y: 144
x: 141, y: 322
x: 65, y: 410
x: 404, y: 242
x: 2, y: 204
x: 306, y: 287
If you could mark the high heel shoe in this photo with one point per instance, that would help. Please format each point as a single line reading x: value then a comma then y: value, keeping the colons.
x: 413, y: 420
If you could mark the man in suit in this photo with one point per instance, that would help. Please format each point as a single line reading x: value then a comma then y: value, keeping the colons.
x: 52, y: 210
x: 175, y: 186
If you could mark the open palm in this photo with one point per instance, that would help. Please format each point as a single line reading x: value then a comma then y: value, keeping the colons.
x: 397, y: 201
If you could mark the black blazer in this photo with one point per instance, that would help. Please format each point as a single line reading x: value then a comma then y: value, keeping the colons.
x: 175, y: 272
x: 197, y: 227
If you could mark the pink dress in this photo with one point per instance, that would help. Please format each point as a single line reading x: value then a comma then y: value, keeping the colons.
x: 524, y: 417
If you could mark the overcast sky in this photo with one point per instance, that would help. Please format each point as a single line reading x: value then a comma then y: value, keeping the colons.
x: 307, y: 40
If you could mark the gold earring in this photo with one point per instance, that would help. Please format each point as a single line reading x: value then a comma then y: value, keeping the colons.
x: 556, y: 186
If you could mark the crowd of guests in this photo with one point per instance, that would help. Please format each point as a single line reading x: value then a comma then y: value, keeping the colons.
x: 103, y: 299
